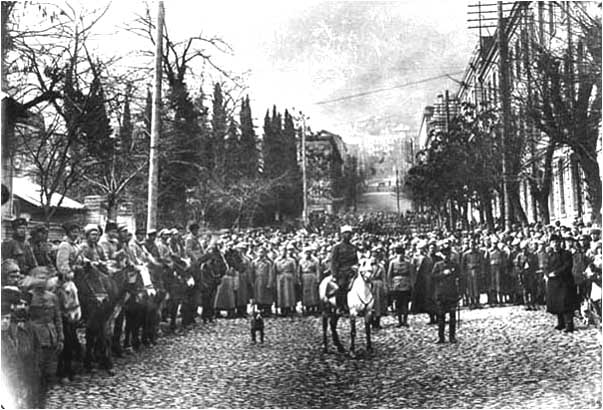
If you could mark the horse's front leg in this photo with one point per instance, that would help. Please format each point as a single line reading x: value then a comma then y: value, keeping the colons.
x: 333, y: 322
x: 90, y: 341
x: 352, y: 332
x: 368, y: 319
x: 325, y: 325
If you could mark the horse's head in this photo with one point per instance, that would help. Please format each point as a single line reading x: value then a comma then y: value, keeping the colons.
x: 360, y: 296
x: 69, y: 300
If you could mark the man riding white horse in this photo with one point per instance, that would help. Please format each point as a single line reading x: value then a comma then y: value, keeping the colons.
x: 343, y: 257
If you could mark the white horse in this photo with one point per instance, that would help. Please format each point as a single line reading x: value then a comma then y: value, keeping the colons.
x: 360, y: 303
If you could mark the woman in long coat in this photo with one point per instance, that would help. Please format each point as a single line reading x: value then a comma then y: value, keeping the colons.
x: 285, y: 268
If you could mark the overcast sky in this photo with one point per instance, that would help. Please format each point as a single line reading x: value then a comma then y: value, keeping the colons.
x: 303, y: 53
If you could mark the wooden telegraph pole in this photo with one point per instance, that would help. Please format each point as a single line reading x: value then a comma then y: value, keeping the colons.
x: 505, y: 100
x: 156, y: 124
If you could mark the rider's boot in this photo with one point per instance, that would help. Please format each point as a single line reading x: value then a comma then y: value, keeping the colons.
x: 400, y: 324
x: 405, y: 321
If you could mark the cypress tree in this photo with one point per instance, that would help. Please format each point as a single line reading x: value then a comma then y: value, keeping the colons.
x: 219, y: 130
x: 232, y: 153
x: 248, y: 146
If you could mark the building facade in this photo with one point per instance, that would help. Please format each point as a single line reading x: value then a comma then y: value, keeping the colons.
x: 528, y: 26
x: 325, y: 155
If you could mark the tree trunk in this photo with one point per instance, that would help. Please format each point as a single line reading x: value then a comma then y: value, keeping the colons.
x: 541, y: 194
x: 486, y: 205
x: 589, y: 165
x: 111, y: 208
x: 501, y: 207
x: 465, y: 213
x: 518, y: 212
x: 543, y: 208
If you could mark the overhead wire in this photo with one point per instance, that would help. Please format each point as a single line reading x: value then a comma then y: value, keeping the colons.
x: 379, y: 90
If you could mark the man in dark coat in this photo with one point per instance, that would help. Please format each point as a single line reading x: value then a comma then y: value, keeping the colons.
x: 560, y: 289
x: 19, y: 248
x: 343, y: 257
x: 41, y: 247
x: 446, y: 274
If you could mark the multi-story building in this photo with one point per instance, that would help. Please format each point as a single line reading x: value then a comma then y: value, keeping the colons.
x: 325, y: 156
x: 528, y: 25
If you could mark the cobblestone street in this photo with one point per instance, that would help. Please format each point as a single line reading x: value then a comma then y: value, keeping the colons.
x: 506, y: 357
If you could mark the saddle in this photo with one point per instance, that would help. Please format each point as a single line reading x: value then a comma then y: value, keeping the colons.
x: 332, y: 288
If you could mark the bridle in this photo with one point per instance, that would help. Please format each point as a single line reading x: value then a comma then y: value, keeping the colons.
x: 371, y: 299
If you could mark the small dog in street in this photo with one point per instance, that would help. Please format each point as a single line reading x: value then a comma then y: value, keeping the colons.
x: 256, y: 321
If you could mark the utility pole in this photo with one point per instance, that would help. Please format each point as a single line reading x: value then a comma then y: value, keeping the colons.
x: 447, y: 112
x: 304, y: 177
x: 156, y: 124
x: 505, y: 101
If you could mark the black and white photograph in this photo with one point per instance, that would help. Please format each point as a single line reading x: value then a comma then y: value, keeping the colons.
x: 322, y: 204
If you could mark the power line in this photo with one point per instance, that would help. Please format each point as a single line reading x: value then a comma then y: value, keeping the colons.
x: 379, y: 90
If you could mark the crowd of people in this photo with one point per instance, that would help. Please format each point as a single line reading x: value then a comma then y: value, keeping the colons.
x: 378, y: 222
x: 201, y: 274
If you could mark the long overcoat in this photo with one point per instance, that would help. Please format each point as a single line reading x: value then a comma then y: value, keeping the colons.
x: 262, y: 277
x: 445, y: 276
x: 285, y: 269
x: 560, y: 288
x: 422, y: 296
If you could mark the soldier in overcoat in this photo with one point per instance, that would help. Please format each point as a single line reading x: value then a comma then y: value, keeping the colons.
x: 285, y: 268
x: 472, y: 265
x: 399, y: 281
x: 262, y: 277
x: 445, y: 276
x: 526, y: 263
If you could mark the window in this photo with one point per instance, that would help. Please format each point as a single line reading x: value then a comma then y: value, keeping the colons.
x: 495, y: 89
x: 510, y: 67
x: 551, y: 19
x: 489, y: 92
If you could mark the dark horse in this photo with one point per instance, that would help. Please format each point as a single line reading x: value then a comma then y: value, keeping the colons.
x: 175, y: 278
x: 102, y: 292
x: 209, y: 275
x: 141, y: 310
